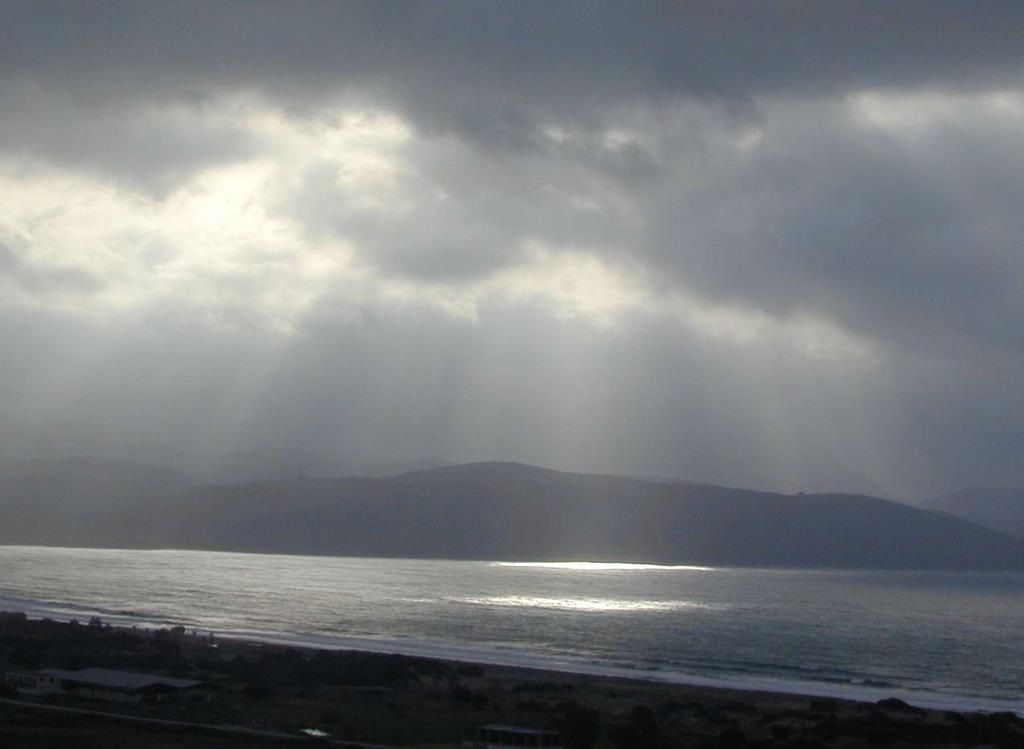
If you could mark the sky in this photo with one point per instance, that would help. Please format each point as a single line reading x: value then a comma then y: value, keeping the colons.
x: 764, y: 244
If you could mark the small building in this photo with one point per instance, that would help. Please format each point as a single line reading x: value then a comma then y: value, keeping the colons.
x: 101, y: 684
x: 32, y: 682
x: 504, y: 737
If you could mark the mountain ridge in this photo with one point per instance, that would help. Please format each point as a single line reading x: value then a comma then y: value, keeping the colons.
x: 1000, y: 508
x: 516, y: 512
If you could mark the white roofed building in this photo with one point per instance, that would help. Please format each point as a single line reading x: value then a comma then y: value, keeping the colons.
x: 100, y: 684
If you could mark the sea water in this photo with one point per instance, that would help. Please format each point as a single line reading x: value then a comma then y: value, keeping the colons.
x: 933, y: 638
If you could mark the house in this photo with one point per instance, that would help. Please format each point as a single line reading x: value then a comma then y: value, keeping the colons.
x: 101, y: 684
x: 504, y: 737
x: 31, y: 682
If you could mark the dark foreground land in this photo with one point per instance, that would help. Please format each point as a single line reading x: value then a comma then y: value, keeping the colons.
x: 264, y: 695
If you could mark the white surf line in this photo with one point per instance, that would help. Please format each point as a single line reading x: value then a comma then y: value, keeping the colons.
x: 856, y: 693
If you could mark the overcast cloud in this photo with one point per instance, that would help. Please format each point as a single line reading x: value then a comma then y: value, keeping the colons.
x: 763, y: 244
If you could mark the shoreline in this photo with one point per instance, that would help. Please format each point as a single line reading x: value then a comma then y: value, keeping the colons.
x: 290, y: 691
x: 751, y: 684
x: 754, y: 685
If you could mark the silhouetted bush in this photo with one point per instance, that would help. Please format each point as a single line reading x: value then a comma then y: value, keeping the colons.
x: 732, y: 737
x: 578, y: 724
x: 740, y: 708
x: 463, y: 695
x: 899, y: 706
x: 641, y: 732
x: 258, y: 690
x: 824, y: 706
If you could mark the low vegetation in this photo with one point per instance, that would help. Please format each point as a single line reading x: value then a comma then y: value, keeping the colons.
x: 401, y: 700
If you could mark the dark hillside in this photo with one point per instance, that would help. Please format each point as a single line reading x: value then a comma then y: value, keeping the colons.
x: 516, y: 512
x: 1001, y: 509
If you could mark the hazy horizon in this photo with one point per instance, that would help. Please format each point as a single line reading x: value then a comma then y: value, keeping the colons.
x: 773, y: 246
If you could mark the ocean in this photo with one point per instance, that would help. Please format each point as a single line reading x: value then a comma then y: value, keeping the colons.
x: 936, y: 639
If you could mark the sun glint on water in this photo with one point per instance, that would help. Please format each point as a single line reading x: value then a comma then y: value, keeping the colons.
x: 601, y: 566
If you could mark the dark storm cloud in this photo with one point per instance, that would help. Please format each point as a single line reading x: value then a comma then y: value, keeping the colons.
x: 722, y: 151
x: 912, y: 237
x: 492, y: 72
x: 572, y: 51
x: 131, y: 142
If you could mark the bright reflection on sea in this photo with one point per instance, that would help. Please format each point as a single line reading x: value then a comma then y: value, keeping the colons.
x: 602, y: 566
x: 583, y: 604
x: 838, y: 632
